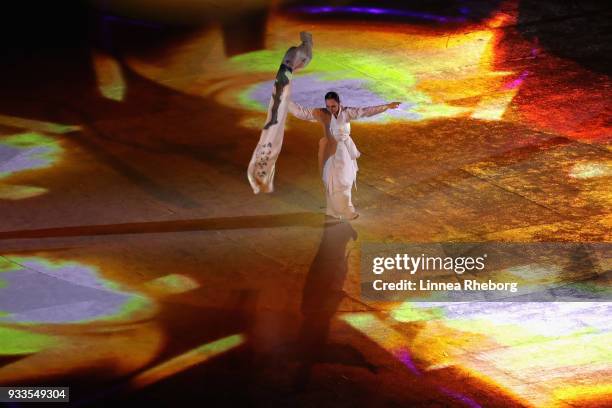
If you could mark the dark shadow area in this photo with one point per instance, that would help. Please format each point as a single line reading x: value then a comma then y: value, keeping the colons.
x: 33, y: 27
x: 49, y: 75
x: 586, y: 279
x: 44, y: 27
x: 577, y: 30
x: 323, y: 292
x: 6, y: 360
x: 245, y: 33
x: 137, y: 177
x: 245, y: 222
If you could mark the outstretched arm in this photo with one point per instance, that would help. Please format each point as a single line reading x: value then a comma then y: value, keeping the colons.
x: 366, y: 111
x: 301, y: 112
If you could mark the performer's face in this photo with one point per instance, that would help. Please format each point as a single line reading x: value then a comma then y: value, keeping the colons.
x: 332, y: 105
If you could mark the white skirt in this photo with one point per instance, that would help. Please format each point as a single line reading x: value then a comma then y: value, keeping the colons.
x: 339, y: 176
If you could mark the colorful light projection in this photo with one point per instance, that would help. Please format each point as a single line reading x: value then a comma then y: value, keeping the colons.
x: 109, y: 76
x: 378, y: 11
x: 63, y: 317
x: 542, y: 353
x: 187, y: 360
x: 20, y: 342
x: 172, y: 284
x: 37, y: 125
x: 396, y: 343
x: 435, y: 75
x: 27, y: 151
x: 21, y: 152
x: 590, y: 170
x: 38, y: 290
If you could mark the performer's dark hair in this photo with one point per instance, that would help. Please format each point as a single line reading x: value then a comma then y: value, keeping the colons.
x: 332, y: 95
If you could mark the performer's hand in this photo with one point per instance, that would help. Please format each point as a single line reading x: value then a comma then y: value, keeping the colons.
x: 306, y: 37
x: 393, y: 105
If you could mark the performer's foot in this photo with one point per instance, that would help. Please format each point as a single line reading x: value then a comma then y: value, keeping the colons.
x: 353, y: 217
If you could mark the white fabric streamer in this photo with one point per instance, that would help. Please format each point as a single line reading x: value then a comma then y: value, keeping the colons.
x: 261, y: 168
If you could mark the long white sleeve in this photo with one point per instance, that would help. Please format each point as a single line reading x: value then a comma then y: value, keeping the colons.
x: 364, y: 111
x: 301, y: 112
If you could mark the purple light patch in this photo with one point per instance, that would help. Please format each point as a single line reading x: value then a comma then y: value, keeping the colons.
x: 403, y: 355
x: 317, y: 10
x: 39, y: 291
x: 468, y: 401
x: 13, y: 159
x: 378, y: 11
x: 309, y: 91
x: 517, y: 82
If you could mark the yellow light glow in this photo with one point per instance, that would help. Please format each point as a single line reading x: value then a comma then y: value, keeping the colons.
x: 172, y: 284
x: 493, y: 107
x: 18, y: 192
x: 579, y: 393
x: 436, y: 76
x: 37, y: 125
x: 109, y: 76
x: 187, y: 360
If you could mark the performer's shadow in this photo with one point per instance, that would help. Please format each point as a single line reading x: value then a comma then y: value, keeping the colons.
x: 323, y: 292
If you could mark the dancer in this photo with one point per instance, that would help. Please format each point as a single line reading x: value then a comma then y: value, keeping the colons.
x: 337, y: 151
x: 261, y: 167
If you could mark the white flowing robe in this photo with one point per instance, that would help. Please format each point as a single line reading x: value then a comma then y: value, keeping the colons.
x: 340, y: 168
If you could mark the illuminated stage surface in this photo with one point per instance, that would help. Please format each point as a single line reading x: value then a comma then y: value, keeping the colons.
x: 137, y: 264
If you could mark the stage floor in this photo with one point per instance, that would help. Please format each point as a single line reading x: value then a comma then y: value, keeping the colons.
x: 136, y: 264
